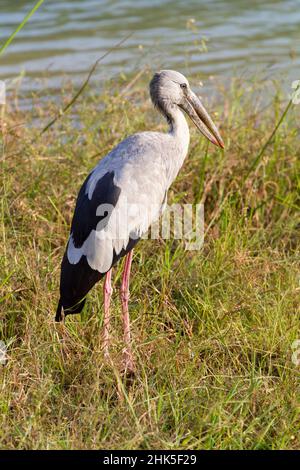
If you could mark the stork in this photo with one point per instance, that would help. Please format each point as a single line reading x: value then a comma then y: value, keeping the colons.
x: 106, y: 225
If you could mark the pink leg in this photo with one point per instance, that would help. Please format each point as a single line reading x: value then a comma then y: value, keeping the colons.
x: 127, y: 353
x: 107, y: 291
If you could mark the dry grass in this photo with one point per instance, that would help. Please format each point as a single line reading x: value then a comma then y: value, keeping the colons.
x: 212, y: 329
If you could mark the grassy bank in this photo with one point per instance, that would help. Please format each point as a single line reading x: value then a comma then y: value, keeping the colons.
x: 212, y: 330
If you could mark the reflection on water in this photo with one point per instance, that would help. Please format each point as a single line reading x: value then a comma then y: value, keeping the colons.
x: 216, y: 37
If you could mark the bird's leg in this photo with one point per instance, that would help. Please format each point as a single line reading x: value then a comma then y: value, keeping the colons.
x: 127, y: 352
x: 107, y: 291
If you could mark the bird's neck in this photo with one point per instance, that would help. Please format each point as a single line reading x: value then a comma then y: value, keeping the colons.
x: 179, y: 128
x: 179, y: 131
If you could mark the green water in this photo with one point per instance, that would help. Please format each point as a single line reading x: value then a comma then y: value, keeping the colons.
x: 217, y: 37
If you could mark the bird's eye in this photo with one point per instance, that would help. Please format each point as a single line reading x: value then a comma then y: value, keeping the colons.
x: 183, y: 85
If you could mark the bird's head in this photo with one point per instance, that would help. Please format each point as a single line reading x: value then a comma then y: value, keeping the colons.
x: 169, y: 89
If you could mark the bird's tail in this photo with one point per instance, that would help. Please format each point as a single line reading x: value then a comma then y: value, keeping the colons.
x: 63, y: 310
x: 58, y: 316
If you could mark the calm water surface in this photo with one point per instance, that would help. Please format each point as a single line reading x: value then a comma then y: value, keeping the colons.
x: 214, y: 37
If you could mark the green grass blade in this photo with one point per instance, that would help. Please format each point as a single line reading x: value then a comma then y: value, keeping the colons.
x: 20, y: 26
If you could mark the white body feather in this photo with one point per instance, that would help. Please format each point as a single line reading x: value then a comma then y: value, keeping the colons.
x: 144, y: 166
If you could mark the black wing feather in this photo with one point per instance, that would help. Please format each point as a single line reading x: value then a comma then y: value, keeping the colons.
x: 85, y: 219
x: 77, y: 279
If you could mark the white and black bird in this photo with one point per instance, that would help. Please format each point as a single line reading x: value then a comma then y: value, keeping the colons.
x: 123, y: 195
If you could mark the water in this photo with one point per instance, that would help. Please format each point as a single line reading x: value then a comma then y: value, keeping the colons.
x: 214, y: 37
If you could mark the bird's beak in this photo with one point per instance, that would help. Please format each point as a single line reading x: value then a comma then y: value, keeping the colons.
x: 202, y: 120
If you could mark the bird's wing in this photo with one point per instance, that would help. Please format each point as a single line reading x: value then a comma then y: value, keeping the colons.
x: 85, y: 217
x: 118, y: 202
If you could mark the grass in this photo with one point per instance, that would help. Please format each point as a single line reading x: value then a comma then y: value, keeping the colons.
x: 212, y: 330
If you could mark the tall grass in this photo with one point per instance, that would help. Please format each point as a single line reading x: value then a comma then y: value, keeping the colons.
x: 212, y: 330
